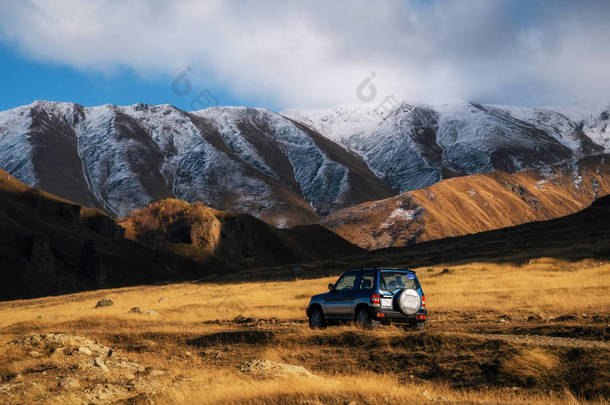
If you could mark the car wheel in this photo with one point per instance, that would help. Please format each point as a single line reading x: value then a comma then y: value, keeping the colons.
x: 316, y: 319
x: 365, y: 321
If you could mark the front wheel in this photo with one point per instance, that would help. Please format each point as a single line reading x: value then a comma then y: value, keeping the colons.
x: 365, y: 321
x: 316, y: 319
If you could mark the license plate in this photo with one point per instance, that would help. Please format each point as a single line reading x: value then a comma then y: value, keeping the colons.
x: 386, y: 302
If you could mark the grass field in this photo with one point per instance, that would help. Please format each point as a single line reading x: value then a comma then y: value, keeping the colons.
x: 479, y: 346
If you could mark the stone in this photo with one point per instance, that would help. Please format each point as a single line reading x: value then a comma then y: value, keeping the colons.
x: 135, y: 310
x: 99, y: 362
x: 59, y: 351
x: 151, y: 313
x: 104, y: 302
x: 68, y: 383
x: 273, y: 369
x: 84, y: 350
x: 34, y: 353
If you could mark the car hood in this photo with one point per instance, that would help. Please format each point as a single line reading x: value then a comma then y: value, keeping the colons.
x: 319, y: 296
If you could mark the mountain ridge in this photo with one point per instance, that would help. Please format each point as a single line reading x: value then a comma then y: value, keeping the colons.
x: 473, y: 204
x: 288, y: 168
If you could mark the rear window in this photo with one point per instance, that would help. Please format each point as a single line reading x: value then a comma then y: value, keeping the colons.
x: 392, y: 280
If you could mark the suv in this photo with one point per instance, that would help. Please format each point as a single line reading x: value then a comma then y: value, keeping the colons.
x: 370, y: 296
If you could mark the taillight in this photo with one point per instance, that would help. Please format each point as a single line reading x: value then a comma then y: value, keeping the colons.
x: 375, y: 298
x: 423, y: 301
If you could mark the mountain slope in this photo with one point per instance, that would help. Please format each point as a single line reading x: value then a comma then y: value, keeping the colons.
x: 584, y: 235
x: 50, y: 245
x: 244, y: 159
x: 414, y: 146
x: 288, y: 169
x: 474, y: 204
x: 238, y: 240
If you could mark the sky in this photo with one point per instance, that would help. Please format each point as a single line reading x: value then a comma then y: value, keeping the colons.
x: 304, y: 54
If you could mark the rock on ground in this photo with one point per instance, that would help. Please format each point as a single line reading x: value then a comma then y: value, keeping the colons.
x: 273, y: 369
x: 104, y: 302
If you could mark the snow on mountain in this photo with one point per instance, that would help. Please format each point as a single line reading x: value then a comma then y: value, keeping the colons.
x: 415, y: 146
x: 242, y: 159
x: 16, y: 150
x: 593, y: 120
x: 287, y: 168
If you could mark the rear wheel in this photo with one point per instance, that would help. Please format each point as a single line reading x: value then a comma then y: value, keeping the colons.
x: 364, y: 319
x: 316, y: 319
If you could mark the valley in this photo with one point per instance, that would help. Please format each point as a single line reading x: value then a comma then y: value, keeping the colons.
x: 493, y: 336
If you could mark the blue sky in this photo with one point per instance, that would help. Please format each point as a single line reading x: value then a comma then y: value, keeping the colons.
x: 311, y: 54
x: 25, y: 80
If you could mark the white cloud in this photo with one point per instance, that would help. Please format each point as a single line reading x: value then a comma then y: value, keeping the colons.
x: 315, y: 53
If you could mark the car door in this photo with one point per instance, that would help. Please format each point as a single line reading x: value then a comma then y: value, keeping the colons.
x: 338, y: 302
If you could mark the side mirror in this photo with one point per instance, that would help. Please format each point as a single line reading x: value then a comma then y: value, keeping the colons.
x: 331, y: 287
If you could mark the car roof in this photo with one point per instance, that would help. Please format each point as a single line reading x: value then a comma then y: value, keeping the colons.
x: 383, y: 269
x: 396, y: 269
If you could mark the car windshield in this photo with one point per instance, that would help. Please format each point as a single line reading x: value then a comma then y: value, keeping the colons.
x: 392, y: 280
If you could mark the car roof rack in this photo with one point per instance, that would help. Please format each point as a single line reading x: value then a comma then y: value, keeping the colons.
x: 383, y: 268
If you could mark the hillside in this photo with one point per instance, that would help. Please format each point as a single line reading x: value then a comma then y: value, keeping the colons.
x: 49, y: 245
x: 232, y: 158
x: 412, y: 146
x: 476, y: 203
x: 238, y: 240
x: 584, y: 235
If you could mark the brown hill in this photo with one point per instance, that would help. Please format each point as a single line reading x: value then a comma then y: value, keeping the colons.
x: 476, y: 203
x: 239, y: 240
x: 584, y: 235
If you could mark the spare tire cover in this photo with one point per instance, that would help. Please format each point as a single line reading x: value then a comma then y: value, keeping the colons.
x: 408, y: 301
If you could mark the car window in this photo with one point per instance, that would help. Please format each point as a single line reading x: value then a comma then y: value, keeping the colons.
x: 366, y: 280
x: 392, y: 280
x: 347, y: 282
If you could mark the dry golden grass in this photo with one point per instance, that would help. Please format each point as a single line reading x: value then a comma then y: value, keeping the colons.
x: 219, y: 387
x: 546, y: 287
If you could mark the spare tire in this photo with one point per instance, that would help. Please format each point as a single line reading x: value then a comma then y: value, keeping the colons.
x: 408, y: 301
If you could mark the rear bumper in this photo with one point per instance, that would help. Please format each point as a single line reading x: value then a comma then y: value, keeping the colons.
x: 399, y: 317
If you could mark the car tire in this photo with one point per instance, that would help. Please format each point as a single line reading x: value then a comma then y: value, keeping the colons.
x: 364, y: 320
x: 316, y: 319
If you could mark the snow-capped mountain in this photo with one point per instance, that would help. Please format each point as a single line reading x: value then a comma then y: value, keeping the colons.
x: 244, y: 159
x: 290, y: 168
x: 414, y: 146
